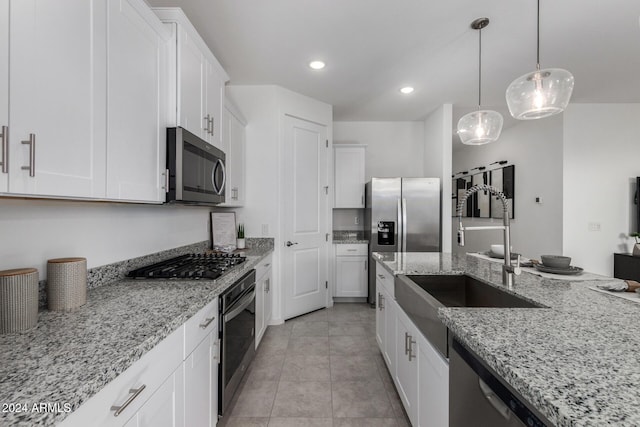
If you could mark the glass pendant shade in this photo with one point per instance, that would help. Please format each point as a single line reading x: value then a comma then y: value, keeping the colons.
x: 539, y: 94
x: 480, y: 127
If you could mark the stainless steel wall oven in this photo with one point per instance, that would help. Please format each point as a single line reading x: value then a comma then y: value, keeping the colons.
x: 237, y: 336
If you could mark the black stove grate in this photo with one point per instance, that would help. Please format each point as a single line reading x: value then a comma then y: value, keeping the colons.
x: 190, y: 266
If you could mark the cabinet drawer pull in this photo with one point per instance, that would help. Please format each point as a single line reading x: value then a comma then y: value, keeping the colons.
x: 207, y: 124
x: 267, y: 265
x: 406, y: 343
x: 207, y: 322
x: 410, y: 348
x: 211, y: 123
x: 380, y: 301
x: 32, y: 154
x: 135, y: 392
x: 5, y: 149
x: 351, y: 250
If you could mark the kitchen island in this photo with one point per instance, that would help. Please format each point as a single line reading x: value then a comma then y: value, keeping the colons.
x: 576, y: 361
x: 69, y: 357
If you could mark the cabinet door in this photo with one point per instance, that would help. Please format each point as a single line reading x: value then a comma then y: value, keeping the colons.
x: 391, y: 309
x: 233, y: 144
x: 197, y: 384
x: 137, y: 85
x: 260, y: 325
x: 58, y: 94
x: 433, y: 386
x: 268, y: 299
x: 349, y: 176
x: 213, y: 107
x: 351, y: 276
x: 407, y: 365
x: 191, y: 77
x: 165, y: 408
x: 4, y: 94
x: 380, y: 317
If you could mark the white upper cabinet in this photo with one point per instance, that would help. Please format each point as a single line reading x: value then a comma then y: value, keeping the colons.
x: 234, y: 145
x: 4, y: 95
x: 138, y: 47
x: 349, y: 173
x: 57, y: 105
x: 199, y: 80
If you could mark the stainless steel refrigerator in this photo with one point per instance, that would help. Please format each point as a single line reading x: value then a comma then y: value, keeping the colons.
x: 402, y: 215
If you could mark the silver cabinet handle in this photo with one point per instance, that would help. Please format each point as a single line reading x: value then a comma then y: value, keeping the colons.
x: 211, y: 124
x: 410, y: 348
x: 406, y: 343
x: 207, y: 123
x: 290, y: 243
x: 267, y: 265
x: 5, y: 149
x: 207, y: 322
x: 32, y: 154
x: 351, y: 250
x: 267, y: 285
x: 380, y: 301
x: 135, y: 392
x: 381, y: 276
x: 234, y: 190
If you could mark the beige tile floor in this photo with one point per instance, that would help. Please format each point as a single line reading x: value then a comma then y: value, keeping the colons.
x: 319, y: 370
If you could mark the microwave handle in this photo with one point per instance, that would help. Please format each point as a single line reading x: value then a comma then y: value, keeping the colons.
x: 219, y: 190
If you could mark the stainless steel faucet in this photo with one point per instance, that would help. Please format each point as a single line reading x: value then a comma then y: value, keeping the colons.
x: 508, y: 269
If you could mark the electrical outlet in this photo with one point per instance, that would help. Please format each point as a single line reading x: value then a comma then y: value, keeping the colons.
x: 594, y: 226
x: 357, y: 220
x: 265, y: 230
x: 539, y: 200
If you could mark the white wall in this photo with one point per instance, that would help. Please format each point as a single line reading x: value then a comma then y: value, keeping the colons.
x: 33, y: 231
x: 535, y: 148
x: 438, y: 162
x: 265, y: 107
x: 601, y: 161
x: 393, y: 148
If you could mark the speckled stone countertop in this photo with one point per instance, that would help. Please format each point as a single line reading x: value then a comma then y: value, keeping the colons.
x: 69, y: 357
x: 577, y: 361
x: 349, y: 237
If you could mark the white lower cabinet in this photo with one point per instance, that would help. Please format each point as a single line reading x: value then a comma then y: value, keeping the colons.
x: 419, y: 372
x: 351, y: 270
x: 175, y: 384
x: 263, y: 297
x: 406, y: 378
x: 201, y: 384
x: 165, y: 407
x: 433, y: 386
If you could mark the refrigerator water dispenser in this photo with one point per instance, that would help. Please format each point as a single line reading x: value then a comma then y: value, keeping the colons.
x: 386, y: 231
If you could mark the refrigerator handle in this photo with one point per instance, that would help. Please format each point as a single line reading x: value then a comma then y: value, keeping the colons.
x: 404, y: 225
x: 400, y: 227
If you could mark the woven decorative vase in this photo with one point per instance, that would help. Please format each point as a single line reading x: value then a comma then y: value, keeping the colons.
x: 18, y: 300
x: 66, y: 283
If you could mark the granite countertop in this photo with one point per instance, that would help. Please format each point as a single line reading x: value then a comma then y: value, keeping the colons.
x: 69, y: 357
x: 576, y: 362
x: 349, y: 237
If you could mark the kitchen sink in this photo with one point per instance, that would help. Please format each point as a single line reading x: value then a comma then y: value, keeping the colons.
x: 421, y: 297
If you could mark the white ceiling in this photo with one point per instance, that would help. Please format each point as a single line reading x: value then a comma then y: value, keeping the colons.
x: 374, y: 47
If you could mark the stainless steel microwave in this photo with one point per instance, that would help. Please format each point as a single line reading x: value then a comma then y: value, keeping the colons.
x: 196, y: 169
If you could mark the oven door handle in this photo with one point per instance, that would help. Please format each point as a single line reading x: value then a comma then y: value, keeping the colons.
x: 244, y: 303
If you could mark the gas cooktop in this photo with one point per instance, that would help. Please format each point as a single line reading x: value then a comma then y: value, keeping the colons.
x: 190, y: 266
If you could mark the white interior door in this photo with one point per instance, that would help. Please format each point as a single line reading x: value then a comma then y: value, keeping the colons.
x: 305, y: 212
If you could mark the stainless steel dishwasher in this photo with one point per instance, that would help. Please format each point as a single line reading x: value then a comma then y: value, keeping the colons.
x: 478, y: 398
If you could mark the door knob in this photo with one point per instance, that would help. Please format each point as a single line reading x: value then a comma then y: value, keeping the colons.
x: 289, y: 243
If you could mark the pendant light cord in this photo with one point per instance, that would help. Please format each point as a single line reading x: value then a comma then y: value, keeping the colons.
x: 480, y: 68
x: 538, y: 40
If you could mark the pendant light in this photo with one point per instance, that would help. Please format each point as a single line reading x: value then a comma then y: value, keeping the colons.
x: 482, y: 126
x: 541, y: 93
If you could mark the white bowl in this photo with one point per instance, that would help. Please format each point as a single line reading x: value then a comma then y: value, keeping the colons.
x: 497, y: 249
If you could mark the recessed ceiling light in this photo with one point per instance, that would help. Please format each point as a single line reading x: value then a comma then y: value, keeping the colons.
x: 317, y: 65
x: 406, y: 90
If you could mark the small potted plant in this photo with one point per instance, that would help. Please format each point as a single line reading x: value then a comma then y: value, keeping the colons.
x: 240, y: 243
x: 636, y: 247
